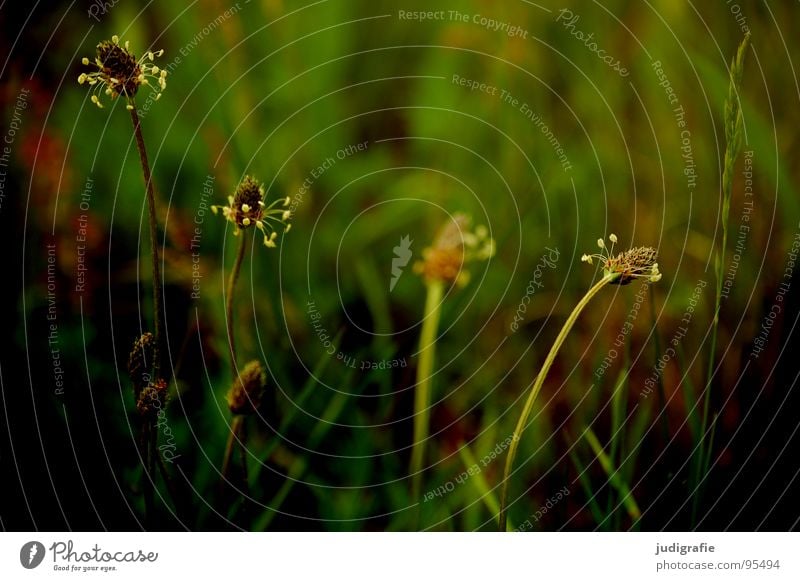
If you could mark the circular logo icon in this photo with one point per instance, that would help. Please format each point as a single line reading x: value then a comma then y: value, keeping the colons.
x: 31, y: 554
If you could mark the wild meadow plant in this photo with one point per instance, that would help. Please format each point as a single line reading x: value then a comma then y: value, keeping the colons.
x: 246, y: 208
x: 620, y: 269
x: 734, y: 135
x: 443, y: 263
x: 119, y: 73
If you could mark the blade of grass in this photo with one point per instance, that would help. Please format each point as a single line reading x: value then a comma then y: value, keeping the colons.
x: 614, y: 477
x: 688, y: 393
x: 297, y: 469
x: 618, y: 404
x: 308, y: 388
x: 639, y: 425
x: 482, y: 487
x: 586, y: 484
x: 662, y: 395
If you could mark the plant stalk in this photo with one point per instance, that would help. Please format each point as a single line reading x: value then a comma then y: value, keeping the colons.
x: 422, y: 394
x: 232, y: 279
x: 236, y: 424
x: 158, y: 314
x: 233, y: 437
x: 537, y: 386
x: 733, y: 146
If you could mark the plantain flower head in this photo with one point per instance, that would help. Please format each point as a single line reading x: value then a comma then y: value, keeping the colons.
x: 454, y: 247
x: 246, y: 207
x: 141, y: 361
x: 119, y: 72
x: 639, y: 262
x: 152, y: 399
x: 244, y: 396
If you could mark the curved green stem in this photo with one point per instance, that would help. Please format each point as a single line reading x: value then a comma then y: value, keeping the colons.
x: 422, y: 394
x: 537, y: 386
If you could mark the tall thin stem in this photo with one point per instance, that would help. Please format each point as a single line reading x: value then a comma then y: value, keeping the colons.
x: 733, y: 146
x: 422, y: 394
x: 232, y: 279
x: 537, y: 386
x: 149, y: 434
x: 158, y: 313
x: 233, y: 437
x: 236, y: 425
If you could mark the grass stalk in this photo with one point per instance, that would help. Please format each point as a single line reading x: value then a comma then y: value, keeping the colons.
x: 614, y: 476
x: 733, y: 146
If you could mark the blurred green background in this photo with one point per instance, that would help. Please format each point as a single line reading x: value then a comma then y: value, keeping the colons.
x: 275, y: 89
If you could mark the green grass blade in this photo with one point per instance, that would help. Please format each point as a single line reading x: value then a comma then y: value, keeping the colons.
x: 614, y: 478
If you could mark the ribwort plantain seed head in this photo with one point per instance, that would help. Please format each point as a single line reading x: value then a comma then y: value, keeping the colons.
x: 141, y: 361
x: 246, y: 207
x: 247, y: 390
x: 453, y: 248
x: 119, y: 72
x: 152, y: 399
x: 639, y: 262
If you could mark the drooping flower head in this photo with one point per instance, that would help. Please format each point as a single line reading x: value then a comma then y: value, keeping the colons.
x: 639, y: 262
x: 454, y: 247
x: 119, y: 72
x: 246, y: 207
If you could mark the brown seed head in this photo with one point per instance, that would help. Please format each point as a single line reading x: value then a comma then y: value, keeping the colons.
x: 246, y: 208
x: 141, y: 361
x: 152, y: 399
x: 453, y: 248
x: 119, y: 72
x: 639, y: 262
x: 247, y: 390
x: 633, y: 263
